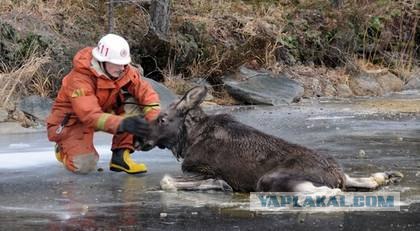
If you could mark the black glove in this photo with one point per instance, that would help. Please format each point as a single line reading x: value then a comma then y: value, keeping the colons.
x: 135, y: 125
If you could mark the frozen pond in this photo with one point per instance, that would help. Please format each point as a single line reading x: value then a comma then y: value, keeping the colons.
x: 365, y: 135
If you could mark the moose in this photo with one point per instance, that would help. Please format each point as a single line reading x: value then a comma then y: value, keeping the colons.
x: 222, y: 153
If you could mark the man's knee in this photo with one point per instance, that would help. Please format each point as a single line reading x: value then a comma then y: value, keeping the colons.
x: 83, y: 163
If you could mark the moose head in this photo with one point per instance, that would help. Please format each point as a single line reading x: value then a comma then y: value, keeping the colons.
x: 169, y: 128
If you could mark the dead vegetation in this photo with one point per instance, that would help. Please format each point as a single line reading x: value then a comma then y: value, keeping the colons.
x: 24, y: 80
x: 209, y: 39
x: 284, y: 35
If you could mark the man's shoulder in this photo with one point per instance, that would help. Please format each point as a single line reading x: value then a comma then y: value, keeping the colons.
x: 75, y: 76
x: 136, y: 69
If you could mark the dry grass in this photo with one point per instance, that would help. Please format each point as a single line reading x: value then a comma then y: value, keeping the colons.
x: 42, y: 84
x: 17, y: 82
x: 234, y: 32
x: 223, y: 98
x: 173, y: 81
x: 177, y: 84
x: 389, y: 38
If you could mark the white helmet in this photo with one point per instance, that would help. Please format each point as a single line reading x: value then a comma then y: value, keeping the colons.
x: 113, y: 49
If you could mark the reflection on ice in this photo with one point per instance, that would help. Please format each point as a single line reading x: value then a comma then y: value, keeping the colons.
x: 330, y: 117
x: 20, y: 160
x: 19, y: 145
x: 63, y: 213
x: 24, y: 159
x: 205, y: 199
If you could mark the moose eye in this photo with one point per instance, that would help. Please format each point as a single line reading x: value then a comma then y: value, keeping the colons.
x: 162, y: 120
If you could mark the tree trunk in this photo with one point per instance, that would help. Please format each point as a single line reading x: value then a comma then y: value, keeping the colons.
x: 111, y: 16
x: 160, y: 17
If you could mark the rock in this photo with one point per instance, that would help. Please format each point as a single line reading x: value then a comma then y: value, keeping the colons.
x: 188, y: 51
x: 263, y: 87
x: 413, y: 80
x: 329, y: 89
x: 316, y: 86
x: 413, y: 83
x: 36, y: 106
x: 375, y: 83
x: 4, y: 115
x: 152, y: 51
x: 365, y: 84
x: 343, y: 90
x: 24, y: 121
x: 390, y: 83
x: 166, y: 96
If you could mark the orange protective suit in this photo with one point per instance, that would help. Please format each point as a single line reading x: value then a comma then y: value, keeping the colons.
x: 92, y: 102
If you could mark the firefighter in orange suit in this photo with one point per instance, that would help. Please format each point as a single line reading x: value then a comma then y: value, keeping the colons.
x: 93, y: 97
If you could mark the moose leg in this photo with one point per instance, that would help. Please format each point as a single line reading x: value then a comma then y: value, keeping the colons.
x: 287, y: 181
x: 193, y: 183
x: 373, y: 182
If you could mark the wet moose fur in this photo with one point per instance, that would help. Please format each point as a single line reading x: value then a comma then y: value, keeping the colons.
x: 219, y: 147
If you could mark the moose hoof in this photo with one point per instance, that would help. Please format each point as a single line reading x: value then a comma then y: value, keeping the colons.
x: 168, y: 183
x: 225, y: 186
x: 386, y: 178
x: 394, y: 177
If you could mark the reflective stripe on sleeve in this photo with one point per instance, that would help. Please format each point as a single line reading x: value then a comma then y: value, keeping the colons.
x: 152, y: 106
x: 102, y: 120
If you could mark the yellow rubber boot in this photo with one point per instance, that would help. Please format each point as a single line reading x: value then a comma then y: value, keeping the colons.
x: 58, y: 155
x: 121, y: 161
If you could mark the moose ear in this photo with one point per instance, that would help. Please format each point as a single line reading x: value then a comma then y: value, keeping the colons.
x: 192, y: 98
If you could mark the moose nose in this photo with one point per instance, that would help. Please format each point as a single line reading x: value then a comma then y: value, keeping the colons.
x: 147, y: 146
